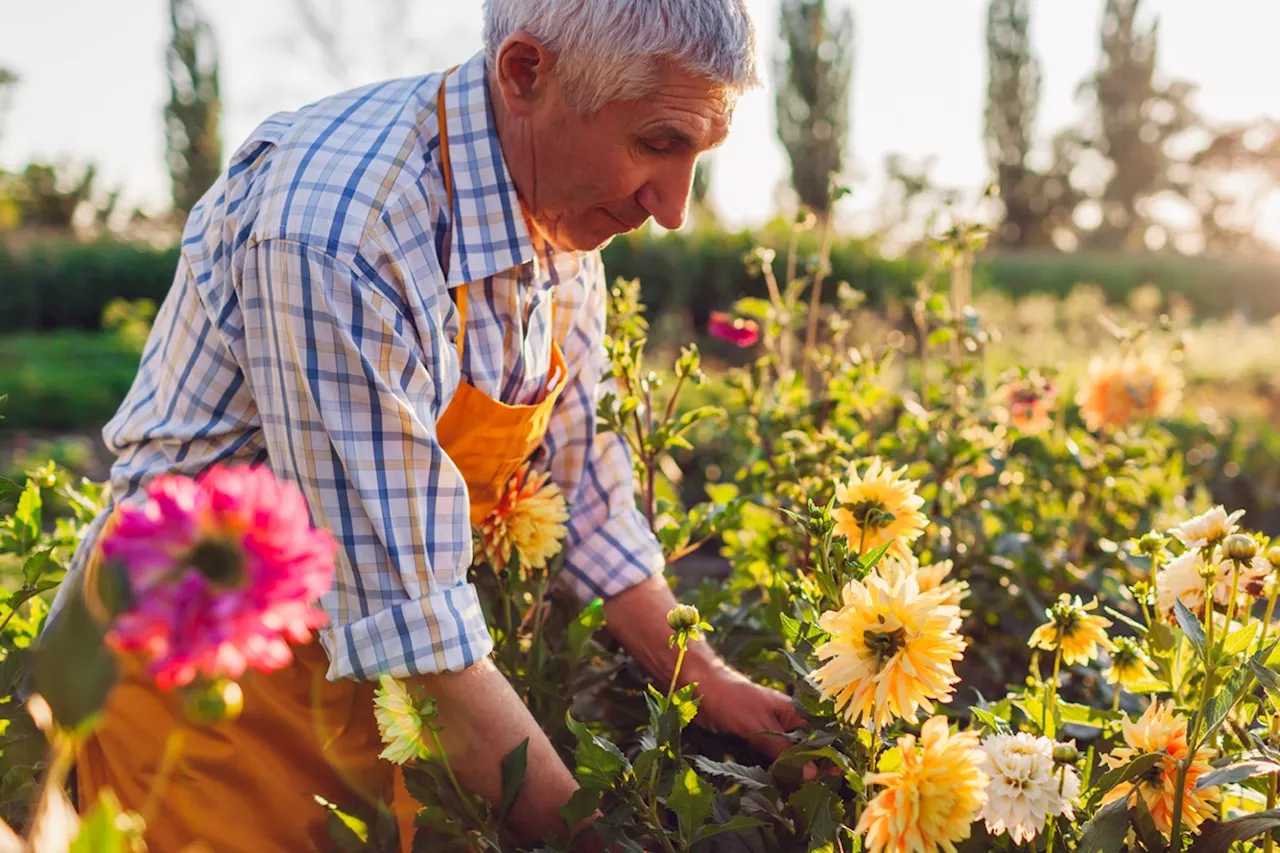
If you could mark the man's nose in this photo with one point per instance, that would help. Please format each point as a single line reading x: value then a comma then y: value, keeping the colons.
x: 666, y: 196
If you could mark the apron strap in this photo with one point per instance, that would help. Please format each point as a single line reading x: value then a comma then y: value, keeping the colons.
x: 446, y: 168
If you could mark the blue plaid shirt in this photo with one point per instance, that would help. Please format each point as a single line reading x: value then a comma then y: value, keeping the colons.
x: 310, y: 328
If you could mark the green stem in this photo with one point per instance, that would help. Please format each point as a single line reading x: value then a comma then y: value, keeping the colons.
x: 457, y: 786
x: 1047, y: 714
x: 1266, y: 623
x: 168, y: 763
x: 1231, y: 602
x: 1115, y: 700
x: 1268, y: 843
x: 676, y: 673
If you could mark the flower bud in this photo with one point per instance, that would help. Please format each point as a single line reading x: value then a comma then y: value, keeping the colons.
x: 1273, y: 557
x: 1065, y: 753
x: 684, y: 617
x: 1151, y: 544
x: 1240, y: 548
x: 208, y: 703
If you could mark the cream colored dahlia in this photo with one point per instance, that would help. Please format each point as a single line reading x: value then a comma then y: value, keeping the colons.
x: 1072, y: 627
x: 1026, y: 787
x: 892, y: 650
x: 931, y: 801
x: 1162, y: 731
x: 878, y: 507
x: 1179, y: 580
x: 1123, y: 389
x: 401, y: 721
x: 1208, y: 528
x: 529, y: 521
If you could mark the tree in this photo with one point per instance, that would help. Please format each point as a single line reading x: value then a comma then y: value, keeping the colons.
x: 51, y: 198
x: 8, y: 84
x: 815, y: 75
x: 192, y: 116
x: 1136, y: 117
x: 1227, y: 180
x: 381, y: 38
x: 1013, y: 97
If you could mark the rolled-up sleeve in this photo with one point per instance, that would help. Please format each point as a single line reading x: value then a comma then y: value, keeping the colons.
x: 610, y: 547
x: 338, y: 363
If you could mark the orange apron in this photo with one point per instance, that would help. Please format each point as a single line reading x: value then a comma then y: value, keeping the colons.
x: 249, y: 786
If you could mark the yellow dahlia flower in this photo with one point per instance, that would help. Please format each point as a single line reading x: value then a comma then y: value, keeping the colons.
x: 1129, y: 664
x: 892, y: 650
x: 401, y: 720
x: 929, y: 577
x: 1160, y: 730
x: 1124, y: 389
x: 932, y: 799
x: 529, y: 520
x: 878, y: 507
x: 1073, y: 628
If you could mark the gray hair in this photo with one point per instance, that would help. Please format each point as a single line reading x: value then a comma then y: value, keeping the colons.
x: 610, y: 50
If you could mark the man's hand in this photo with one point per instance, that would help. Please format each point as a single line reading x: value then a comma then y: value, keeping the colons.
x: 730, y: 702
x: 733, y: 704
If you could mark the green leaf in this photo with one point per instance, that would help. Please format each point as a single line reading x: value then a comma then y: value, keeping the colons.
x: 1218, y: 837
x: 818, y: 813
x: 601, y: 764
x: 514, y: 765
x: 73, y: 668
x: 1082, y: 715
x: 790, y: 628
x: 9, y: 489
x: 1237, y: 772
x: 872, y: 558
x: 581, y: 806
x: 1128, y: 772
x: 584, y: 626
x: 27, y: 517
x: 990, y: 721
x: 1266, y: 678
x: 349, y: 832
x: 1238, y: 641
x: 691, y: 799
x: 1191, y: 627
x: 737, y: 823
x: 722, y: 493
x: 1144, y: 826
x: 1224, y: 698
x: 1107, y: 831
x: 755, y: 778
x: 102, y: 830
x: 35, y: 566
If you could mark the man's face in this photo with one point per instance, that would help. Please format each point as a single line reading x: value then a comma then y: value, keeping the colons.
x: 594, y: 177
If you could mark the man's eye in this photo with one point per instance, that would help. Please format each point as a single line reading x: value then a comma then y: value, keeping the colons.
x: 654, y: 149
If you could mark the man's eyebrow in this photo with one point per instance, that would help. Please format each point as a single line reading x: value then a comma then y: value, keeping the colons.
x: 673, y: 135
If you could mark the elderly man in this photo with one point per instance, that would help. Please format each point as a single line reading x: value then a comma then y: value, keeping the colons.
x: 393, y: 298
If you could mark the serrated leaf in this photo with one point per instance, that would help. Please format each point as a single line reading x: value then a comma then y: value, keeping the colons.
x: 1218, y: 837
x: 1238, y: 641
x: 755, y: 778
x: 872, y: 558
x: 514, y: 764
x: 818, y: 812
x: 790, y: 628
x: 1223, y: 698
x: 28, y: 517
x: 581, y: 806
x: 1128, y: 772
x: 990, y: 721
x: 737, y: 823
x: 690, y: 799
x: 35, y: 566
x: 584, y: 626
x: 1237, y: 772
x: 1266, y: 678
x: 1106, y: 832
x: 1191, y: 627
x: 600, y: 764
x: 1082, y: 715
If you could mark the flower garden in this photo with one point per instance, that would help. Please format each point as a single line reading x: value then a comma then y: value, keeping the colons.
x: 1012, y: 616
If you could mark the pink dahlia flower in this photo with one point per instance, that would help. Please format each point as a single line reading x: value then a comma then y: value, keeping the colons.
x: 739, y: 332
x: 223, y: 571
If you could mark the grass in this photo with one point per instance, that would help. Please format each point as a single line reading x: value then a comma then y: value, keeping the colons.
x: 63, y: 381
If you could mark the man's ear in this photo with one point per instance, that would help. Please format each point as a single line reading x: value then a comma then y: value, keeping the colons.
x: 525, y: 72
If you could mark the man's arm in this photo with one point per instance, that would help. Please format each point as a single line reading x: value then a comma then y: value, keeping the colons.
x: 338, y: 364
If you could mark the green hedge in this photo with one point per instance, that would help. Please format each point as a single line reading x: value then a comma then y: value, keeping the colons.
x: 54, y: 285
x: 65, y: 380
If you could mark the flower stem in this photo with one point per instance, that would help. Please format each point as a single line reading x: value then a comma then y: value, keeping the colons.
x: 168, y: 763
x: 676, y: 673
x: 1115, y: 700
x: 457, y: 786
x: 1268, y: 843
x: 1266, y: 622
x: 1047, y: 714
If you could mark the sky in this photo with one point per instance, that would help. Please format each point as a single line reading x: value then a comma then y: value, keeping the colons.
x: 93, y: 84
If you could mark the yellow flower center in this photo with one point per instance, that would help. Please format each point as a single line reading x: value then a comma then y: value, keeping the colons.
x: 884, y: 644
x: 871, y: 514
